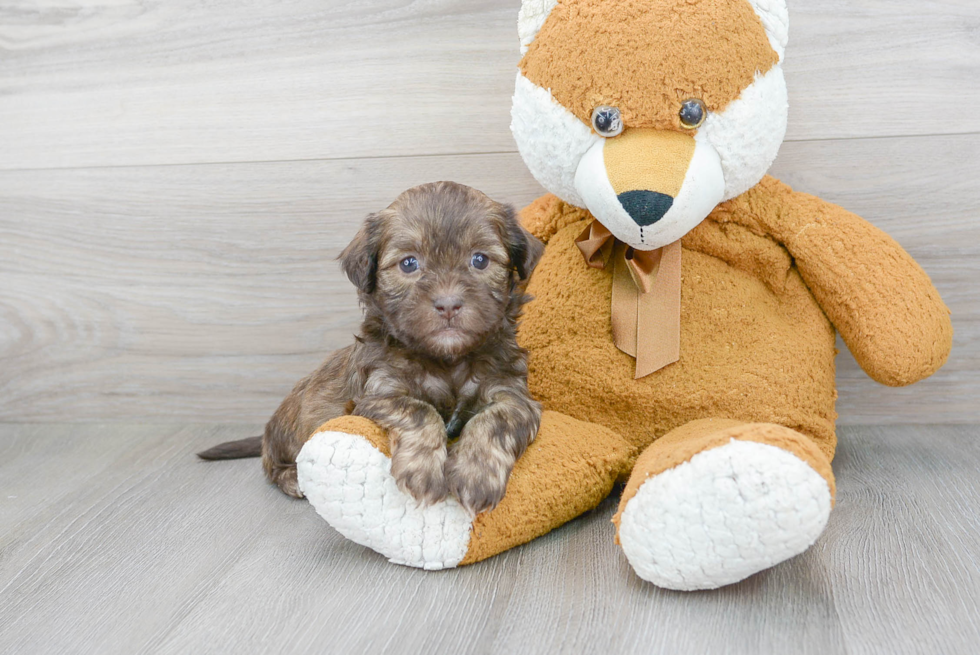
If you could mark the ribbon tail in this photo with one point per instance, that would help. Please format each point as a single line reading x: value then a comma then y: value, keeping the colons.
x: 646, y: 298
x: 625, y: 304
x: 658, y: 316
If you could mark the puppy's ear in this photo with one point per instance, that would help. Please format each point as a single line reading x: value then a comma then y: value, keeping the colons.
x: 523, y: 247
x: 359, y: 260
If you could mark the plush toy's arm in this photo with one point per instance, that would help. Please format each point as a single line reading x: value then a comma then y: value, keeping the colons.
x: 548, y: 214
x: 879, y: 299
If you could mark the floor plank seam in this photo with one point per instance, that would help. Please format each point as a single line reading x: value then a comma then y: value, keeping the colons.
x: 432, y: 155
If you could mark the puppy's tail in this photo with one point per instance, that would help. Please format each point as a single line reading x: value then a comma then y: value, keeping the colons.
x: 241, y: 449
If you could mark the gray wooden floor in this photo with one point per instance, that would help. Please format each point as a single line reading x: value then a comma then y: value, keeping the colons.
x: 176, y: 180
x: 115, y: 539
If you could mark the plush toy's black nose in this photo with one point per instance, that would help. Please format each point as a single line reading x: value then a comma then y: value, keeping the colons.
x: 646, y: 207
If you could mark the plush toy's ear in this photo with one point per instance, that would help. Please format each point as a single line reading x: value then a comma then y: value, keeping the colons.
x: 523, y: 248
x: 532, y: 17
x: 775, y: 18
x: 359, y: 260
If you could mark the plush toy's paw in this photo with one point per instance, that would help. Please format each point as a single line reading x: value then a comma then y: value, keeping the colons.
x: 348, y: 481
x: 729, y: 512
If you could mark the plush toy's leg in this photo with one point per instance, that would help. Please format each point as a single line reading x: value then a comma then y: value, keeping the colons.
x: 715, y: 501
x: 345, y: 472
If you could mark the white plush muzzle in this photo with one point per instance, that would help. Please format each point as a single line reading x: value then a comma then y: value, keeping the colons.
x: 703, y: 189
x: 734, y: 150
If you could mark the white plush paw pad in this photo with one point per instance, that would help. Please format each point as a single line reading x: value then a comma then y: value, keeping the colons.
x: 727, y: 513
x: 349, y: 483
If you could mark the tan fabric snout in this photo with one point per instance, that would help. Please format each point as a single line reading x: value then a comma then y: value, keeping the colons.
x: 648, y: 160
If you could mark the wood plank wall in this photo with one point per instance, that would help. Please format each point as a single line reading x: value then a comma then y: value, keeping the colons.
x: 177, y: 177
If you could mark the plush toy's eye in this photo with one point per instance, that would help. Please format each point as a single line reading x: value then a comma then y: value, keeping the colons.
x: 607, y: 121
x: 693, y: 112
x: 409, y: 265
x: 480, y: 261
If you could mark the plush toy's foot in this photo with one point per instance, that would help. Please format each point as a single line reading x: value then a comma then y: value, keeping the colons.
x: 716, y: 501
x: 345, y: 472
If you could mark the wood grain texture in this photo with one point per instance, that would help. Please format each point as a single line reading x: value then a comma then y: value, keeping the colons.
x: 115, y: 539
x: 176, y: 178
x: 204, y: 292
x: 125, y: 82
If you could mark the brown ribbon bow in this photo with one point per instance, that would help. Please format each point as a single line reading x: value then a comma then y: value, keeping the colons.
x: 646, y: 297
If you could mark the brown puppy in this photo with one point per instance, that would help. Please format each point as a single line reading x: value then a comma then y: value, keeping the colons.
x: 441, y: 276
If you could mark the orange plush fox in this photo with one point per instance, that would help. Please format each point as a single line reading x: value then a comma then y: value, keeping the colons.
x: 683, y: 328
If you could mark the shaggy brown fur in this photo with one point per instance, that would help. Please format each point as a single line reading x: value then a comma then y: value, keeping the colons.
x: 441, y: 276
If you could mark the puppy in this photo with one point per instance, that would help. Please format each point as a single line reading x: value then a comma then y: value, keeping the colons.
x: 441, y: 276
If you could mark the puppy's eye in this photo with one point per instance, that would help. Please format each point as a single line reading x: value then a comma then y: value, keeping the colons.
x: 607, y: 121
x: 692, y: 114
x: 480, y: 261
x: 409, y: 265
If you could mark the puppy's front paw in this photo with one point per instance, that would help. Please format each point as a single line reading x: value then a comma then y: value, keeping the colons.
x: 422, y: 476
x: 478, y: 482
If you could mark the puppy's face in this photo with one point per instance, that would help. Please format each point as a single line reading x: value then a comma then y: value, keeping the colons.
x: 442, y: 266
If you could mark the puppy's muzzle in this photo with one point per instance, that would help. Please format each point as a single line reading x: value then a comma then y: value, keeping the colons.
x: 448, y: 306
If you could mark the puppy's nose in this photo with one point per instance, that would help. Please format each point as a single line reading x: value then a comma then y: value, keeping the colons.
x: 646, y: 207
x: 448, y: 306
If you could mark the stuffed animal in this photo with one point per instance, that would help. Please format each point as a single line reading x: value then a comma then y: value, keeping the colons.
x: 682, y: 336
